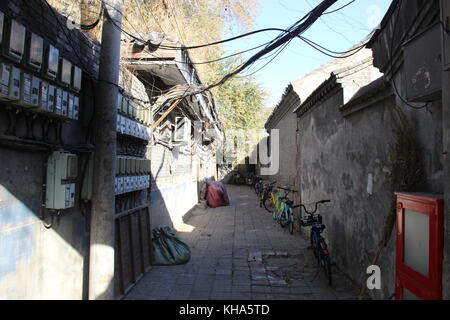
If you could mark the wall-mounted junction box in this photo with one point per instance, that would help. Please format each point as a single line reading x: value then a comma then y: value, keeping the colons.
x: 52, y: 62
x: 58, y: 101
x: 62, y: 169
x: 29, y: 90
x: 15, y: 46
x: 43, y: 95
x: 65, y: 103
x: 65, y: 72
x: 76, y: 78
x: 51, y: 98
x: 35, y: 51
x: 9, y: 82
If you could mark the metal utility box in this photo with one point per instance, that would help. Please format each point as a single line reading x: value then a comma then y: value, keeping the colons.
x: 65, y: 72
x: 43, y: 95
x: 35, y: 51
x: 52, y: 62
x: 15, y: 46
x: 70, y: 106
x: 76, y: 108
x: 423, y: 66
x: 62, y: 169
x: 420, y: 241
x: 51, y: 98
x: 29, y: 90
x: 9, y: 82
x: 65, y: 103
x: 58, y: 101
x: 76, y: 78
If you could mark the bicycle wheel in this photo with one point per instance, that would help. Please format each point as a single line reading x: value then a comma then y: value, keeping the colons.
x: 326, y: 262
x: 291, y: 224
x: 269, y: 205
x: 283, y: 220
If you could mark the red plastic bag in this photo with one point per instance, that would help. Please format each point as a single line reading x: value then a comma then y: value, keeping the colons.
x: 217, y: 195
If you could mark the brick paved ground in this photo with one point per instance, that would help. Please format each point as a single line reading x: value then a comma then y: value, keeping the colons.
x: 240, y: 253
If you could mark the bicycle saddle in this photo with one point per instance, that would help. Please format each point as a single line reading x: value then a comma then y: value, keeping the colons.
x: 290, y: 203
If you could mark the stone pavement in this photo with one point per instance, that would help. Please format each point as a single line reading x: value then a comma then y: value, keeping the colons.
x: 240, y: 253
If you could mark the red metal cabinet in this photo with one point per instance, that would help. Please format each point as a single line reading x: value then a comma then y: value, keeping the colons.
x: 420, y: 240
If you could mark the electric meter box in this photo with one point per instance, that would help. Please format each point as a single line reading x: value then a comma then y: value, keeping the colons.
x: 43, y: 95
x: 58, y: 101
x: 35, y: 51
x: 29, y: 90
x: 9, y: 82
x: 76, y: 108
x: 65, y: 103
x: 70, y: 106
x: 15, y: 46
x: 51, y: 98
x: 52, y: 62
x: 65, y: 72
x: 76, y: 78
x: 62, y: 168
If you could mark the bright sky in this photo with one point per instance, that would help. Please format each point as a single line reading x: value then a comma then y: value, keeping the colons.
x: 337, y: 31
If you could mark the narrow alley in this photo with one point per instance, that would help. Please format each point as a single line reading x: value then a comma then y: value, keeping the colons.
x: 240, y: 253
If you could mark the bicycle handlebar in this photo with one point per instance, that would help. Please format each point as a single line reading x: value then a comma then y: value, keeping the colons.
x: 315, y: 209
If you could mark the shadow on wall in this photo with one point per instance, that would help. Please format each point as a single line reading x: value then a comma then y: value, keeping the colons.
x: 36, y: 262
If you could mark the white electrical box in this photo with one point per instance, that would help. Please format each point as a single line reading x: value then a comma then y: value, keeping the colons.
x: 65, y: 103
x: 43, y: 95
x: 16, y: 44
x: 29, y: 90
x: 58, y: 101
x: 76, y: 78
x: 65, y: 76
x: 9, y: 82
x: 52, y: 60
x: 51, y: 98
x: 76, y: 107
x: 70, y: 106
x: 36, y: 52
x: 62, y: 168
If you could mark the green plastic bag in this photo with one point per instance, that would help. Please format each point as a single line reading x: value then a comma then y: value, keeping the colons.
x: 167, y: 248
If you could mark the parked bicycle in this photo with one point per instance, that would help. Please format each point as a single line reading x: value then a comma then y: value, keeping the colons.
x: 259, y: 186
x: 318, y: 243
x: 284, y: 210
x: 268, y: 198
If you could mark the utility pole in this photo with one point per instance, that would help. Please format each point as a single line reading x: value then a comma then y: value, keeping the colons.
x: 101, y: 261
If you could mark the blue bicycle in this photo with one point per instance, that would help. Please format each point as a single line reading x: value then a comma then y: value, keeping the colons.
x: 318, y: 244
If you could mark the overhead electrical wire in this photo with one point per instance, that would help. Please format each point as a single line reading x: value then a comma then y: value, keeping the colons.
x: 340, y: 8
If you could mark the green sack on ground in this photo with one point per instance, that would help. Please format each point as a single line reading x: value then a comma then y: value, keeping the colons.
x: 167, y: 248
